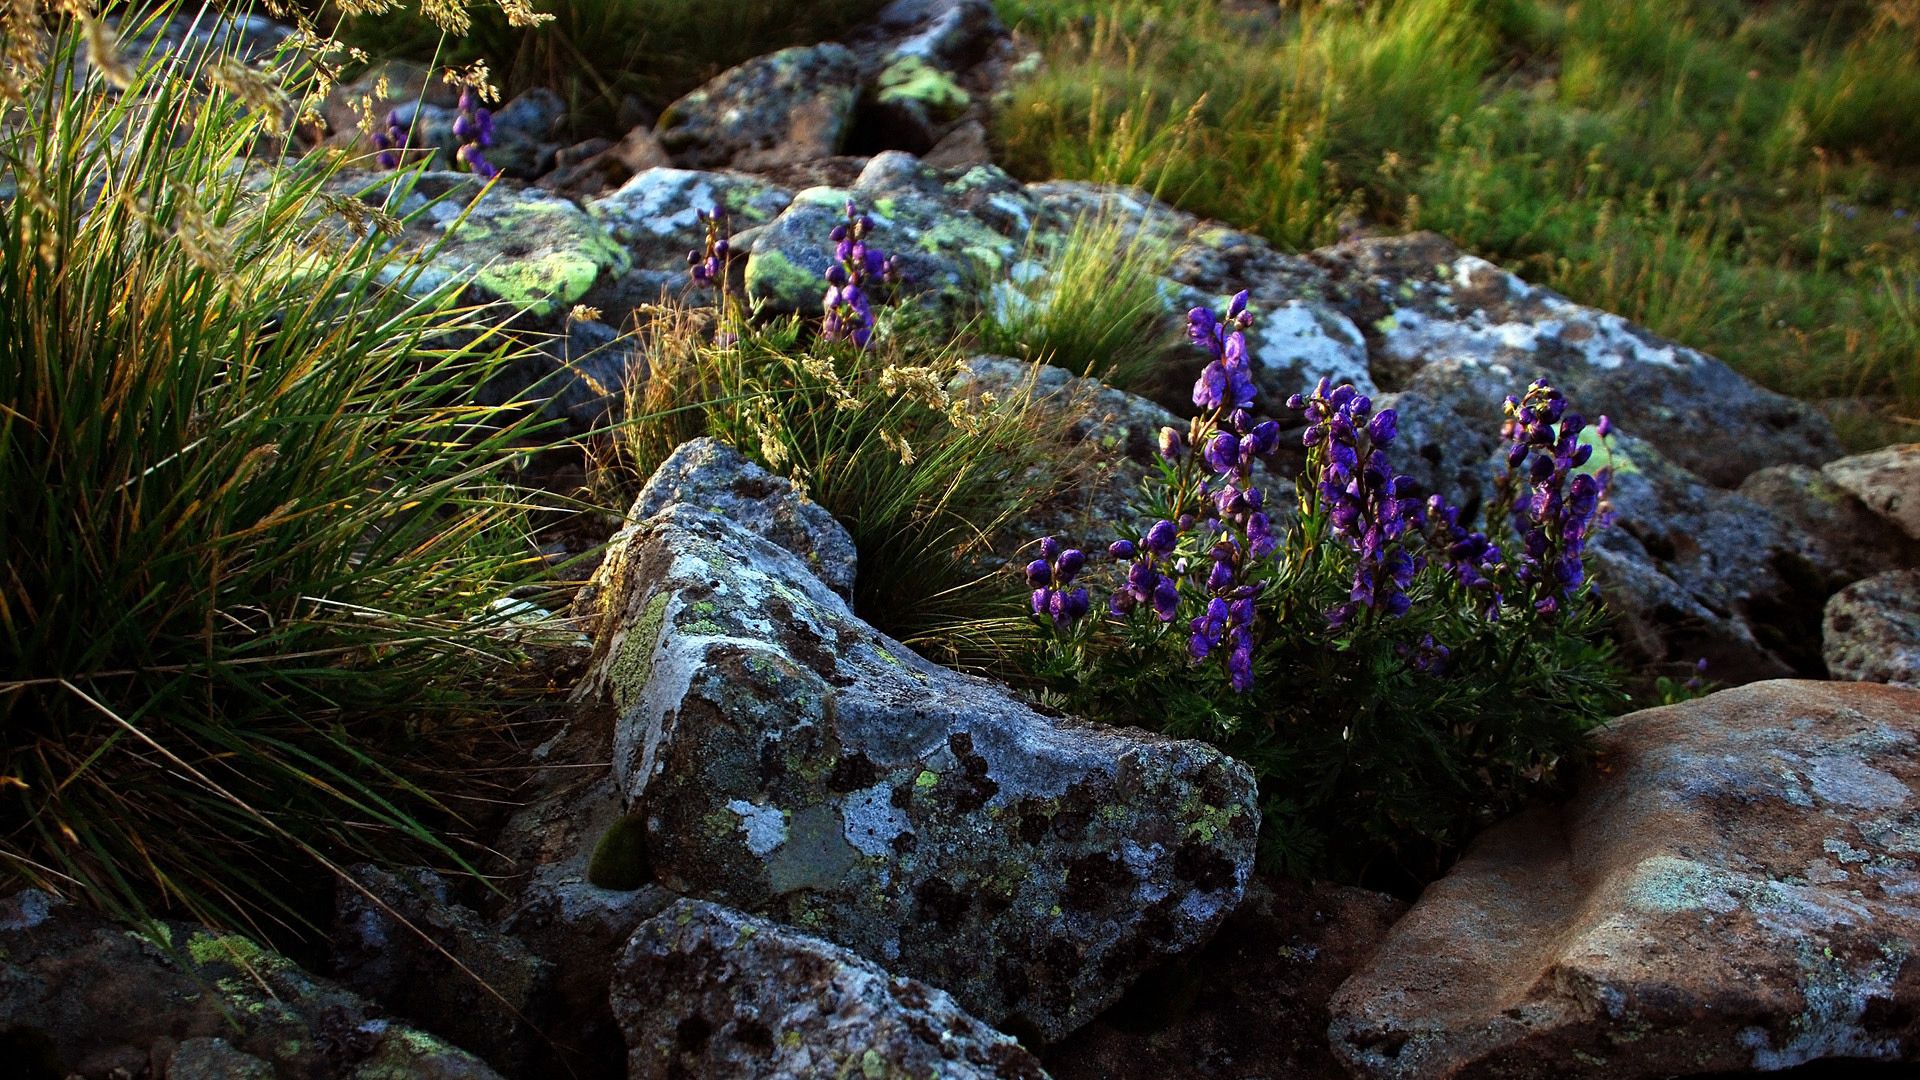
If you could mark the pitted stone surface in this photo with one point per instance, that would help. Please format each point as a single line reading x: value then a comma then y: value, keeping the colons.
x: 792, y: 761
x: 1731, y: 887
x: 1873, y: 629
x: 704, y: 990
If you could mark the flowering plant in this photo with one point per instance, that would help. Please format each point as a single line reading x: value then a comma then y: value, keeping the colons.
x: 1391, y: 671
x: 848, y: 310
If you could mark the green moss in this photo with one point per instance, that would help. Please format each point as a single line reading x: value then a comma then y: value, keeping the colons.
x: 620, y: 858
x: 926, y: 779
x: 772, y: 274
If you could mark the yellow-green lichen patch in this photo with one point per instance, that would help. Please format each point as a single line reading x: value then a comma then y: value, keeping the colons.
x: 772, y: 274
x: 633, y: 656
x: 1206, y: 821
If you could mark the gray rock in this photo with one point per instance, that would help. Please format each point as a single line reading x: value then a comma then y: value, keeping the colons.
x: 534, y: 250
x: 704, y: 990
x: 1421, y: 300
x: 593, y: 167
x: 790, y: 760
x: 97, y: 997
x: 206, y: 1058
x: 715, y: 477
x: 524, y: 132
x: 780, y: 109
x: 950, y: 235
x: 1730, y: 888
x: 1873, y: 630
x: 465, y: 980
x: 1887, y: 481
x: 950, y: 34
x: 654, y: 215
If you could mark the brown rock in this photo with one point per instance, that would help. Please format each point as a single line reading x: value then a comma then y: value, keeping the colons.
x: 1888, y: 481
x: 1731, y: 887
x: 592, y: 168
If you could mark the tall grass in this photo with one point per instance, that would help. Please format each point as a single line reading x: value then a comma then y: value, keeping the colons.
x: 924, y: 479
x: 1741, y: 177
x: 1087, y: 300
x: 254, y: 517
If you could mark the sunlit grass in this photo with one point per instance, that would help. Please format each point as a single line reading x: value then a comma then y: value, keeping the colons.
x: 1740, y: 177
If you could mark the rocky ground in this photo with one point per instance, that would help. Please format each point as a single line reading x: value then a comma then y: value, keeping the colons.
x: 771, y: 841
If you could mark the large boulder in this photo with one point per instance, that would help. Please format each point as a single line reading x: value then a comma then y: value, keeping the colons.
x: 787, y: 759
x: 1873, y: 629
x: 1731, y: 887
x: 780, y: 109
x: 88, y: 997
x: 1420, y: 300
x: 1841, y: 539
x: 1887, y: 481
x: 703, y: 990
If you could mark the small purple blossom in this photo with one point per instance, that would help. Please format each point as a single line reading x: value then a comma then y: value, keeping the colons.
x: 1051, y: 578
x: 474, y: 128
x: 848, y: 312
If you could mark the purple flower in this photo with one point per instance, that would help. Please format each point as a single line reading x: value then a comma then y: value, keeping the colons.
x: 1553, y: 504
x: 848, y: 313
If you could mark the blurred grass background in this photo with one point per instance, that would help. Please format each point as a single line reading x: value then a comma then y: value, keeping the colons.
x: 1741, y: 176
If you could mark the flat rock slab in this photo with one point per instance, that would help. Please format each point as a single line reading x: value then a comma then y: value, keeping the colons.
x: 1735, y: 885
x: 704, y: 990
x: 790, y: 760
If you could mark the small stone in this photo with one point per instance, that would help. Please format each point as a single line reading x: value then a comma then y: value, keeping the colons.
x: 1873, y: 630
x: 1887, y: 481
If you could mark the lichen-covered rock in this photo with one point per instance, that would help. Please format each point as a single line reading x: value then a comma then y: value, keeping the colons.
x: 790, y: 760
x: 1731, y: 887
x: 1420, y: 300
x: 464, y: 979
x: 655, y: 214
x: 703, y: 990
x: 951, y: 35
x: 1838, y: 536
x: 99, y: 1000
x: 1252, y: 1004
x: 595, y: 166
x: 949, y: 234
x: 536, y: 251
x: 1873, y: 630
x: 524, y: 132
x: 786, y: 107
x: 715, y: 477
x: 1887, y: 481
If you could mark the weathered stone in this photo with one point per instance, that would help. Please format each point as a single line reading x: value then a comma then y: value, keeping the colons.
x: 1839, y: 537
x: 524, y: 129
x: 717, y: 478
x: 952, y: 35
x: 206, y: 1058
x: 1729, y: 888
x: 1420, y: 300
x: 1873, y: 630
x: 534, y: 250
x: 1252, y: 1004
x: 655, y: 214
x: 703, y: 990
x: 785, y: 107
x: 790, y: 760
x: 94, y: 997
x: 1887, y: 481
x: 948, y: 234
x: 463, y: 979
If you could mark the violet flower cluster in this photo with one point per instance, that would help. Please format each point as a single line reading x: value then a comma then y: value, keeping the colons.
x: 1560, y: 504
x: 707, y: 264
x: 849, y: 311
x: 391, y: 141
x: 474, y: 128
x: 1369, y: 507
x: 1051, y: 576
x: 1148, y: 581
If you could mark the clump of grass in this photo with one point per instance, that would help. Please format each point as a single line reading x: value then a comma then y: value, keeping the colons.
x: 1087, y: 300
x: 255, y: 517
x: 924, y: 479
x: 1734, y: 176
